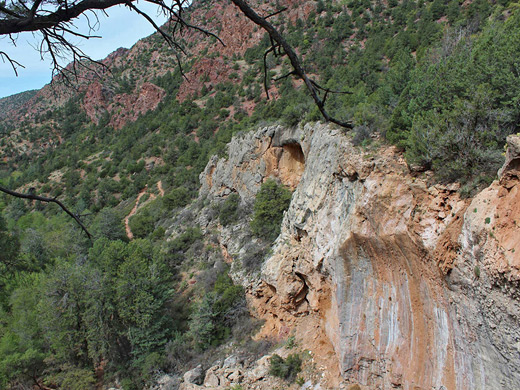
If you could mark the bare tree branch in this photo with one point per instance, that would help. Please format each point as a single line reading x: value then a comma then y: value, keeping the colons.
x: 271, y: 49
x: 291, y: 73
x: 276, y: 13
x: 35, y: 6
x: 180, y: 21
x: 329, y: 90
x: 61, y: 15
x: 54, y: 24
x: 293, y: 58
x: 14, y: 64
x: 10, y: 13
x: 47, y: 200
x: 166, y: 36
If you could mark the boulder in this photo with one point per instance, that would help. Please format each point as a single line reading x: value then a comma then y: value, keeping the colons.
x: 260, y: 371
x: 167, y: 382
x: 211, y: 379
x: 231, y: 361
x: 195, y: 376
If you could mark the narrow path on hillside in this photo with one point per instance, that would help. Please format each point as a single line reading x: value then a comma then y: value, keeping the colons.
x: 159, y: 187
x: 129, y: 233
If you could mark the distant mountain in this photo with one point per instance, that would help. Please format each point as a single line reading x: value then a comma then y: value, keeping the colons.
x: 14, y: 102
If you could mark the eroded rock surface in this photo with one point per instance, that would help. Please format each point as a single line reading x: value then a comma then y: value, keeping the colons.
x: 392, y: 283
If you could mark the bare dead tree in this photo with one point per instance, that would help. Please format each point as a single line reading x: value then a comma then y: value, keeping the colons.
x: 54, y: 20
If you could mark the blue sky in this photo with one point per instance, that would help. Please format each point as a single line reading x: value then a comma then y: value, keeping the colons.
x: 122, y: 28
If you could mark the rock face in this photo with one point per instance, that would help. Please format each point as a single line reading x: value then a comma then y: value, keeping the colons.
x: 195, y: 376
x: 393, y: 284
x: 124, y: 108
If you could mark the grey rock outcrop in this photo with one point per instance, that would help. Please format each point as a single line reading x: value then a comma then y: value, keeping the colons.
x: 167, y: 382
x: 195, y: 376
x: 376, y: 270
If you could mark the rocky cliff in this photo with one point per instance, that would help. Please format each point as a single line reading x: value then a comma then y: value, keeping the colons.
x: 389, y: 281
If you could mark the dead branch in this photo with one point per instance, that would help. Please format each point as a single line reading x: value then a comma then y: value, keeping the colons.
x: 271, y: 49
x: 275, y: 13
x: 14, y: 64
x: 293, y: 58
x: 31, y: 196
x: 292, y: 73
x: 54, y: 21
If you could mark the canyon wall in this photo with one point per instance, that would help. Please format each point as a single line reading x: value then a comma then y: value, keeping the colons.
x: 392, y: 282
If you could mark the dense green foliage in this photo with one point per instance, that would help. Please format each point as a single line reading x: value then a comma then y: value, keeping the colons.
x: 115, y: 303
x: 285, y: 368
x: 228, y: 210
x: 270, y: 203
x: 218, y: 310
x: 462, y: 102
x: 112, y: 305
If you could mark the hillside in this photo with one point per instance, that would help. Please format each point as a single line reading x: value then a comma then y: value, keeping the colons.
x: 384, y: 257
x: 13, y: 103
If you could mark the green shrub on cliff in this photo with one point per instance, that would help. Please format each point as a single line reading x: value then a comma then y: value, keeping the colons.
x: 228, y: 211
x: 286, y: 368
x: 461, y: 102
x: 270, y: 203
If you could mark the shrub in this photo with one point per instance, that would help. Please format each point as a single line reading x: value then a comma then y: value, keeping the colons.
x: 74, y: 378
x: 228, y: 212
x: 455, y: 114
x: 178, y: 197
x: 254, y: 257
x: 216, y: 314
x: 270, y: 203
x: 291, y: 342
x: 142, y: 224
x: 361, y: 134
x: 286, y: 368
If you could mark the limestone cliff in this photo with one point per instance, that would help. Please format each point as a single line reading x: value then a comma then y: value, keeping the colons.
x: 391, y: 282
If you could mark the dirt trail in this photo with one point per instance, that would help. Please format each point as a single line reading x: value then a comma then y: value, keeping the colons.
x: 159, y: 187
x: 129, y: 233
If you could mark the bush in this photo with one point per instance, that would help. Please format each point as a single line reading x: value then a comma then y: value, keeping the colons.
x: 253, y: 259
x: 73, y: 378
x: 228, y: 211
x: 216, y: 314
x: 286, y: 369
x: 455, y: 113
x: 142, y: 224
x: 178, y: 197
x: 270, y: 203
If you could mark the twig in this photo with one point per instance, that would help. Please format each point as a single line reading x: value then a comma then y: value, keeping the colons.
x: 276, y: 13
x: 272, y: 48
x: 14, y: 64
x: 10, y: 13
x: 179, y: 21
x: 292, y: 73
